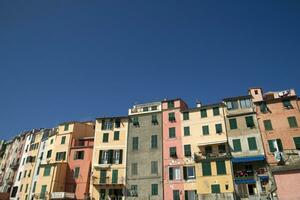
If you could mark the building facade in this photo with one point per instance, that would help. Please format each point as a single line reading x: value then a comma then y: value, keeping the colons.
x: 144, y: 152
x: 109, y: 159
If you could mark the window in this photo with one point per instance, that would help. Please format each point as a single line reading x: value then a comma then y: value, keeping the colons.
x: 135, y: 143
x: 60, y: 156
x: 153, y: 107
x: 106, y: 124
x: 66, y: 127
x: 275, y: 145
x: 63, y: 140
x: 172, y: 132
x: 145, y: 109
x: 105, y: 137
x: 176, y: 195
x: 43, y: 191
x: 263, y: 107
x: 79, y: 155
x: 117, y: 156
x: 216, y: 111
x: 154, y: 167
x: 186, y: 116
x: 116, y: 135
x: 34, y: 186
x: 297, y: 142
x: 173, y: 153
x: 236, y: 145
x: 47, y: 171
x: 174, y: 173
x: 268, y: 125
x: 135, y: 121
x: 232, y: 123
x: 222, y: 148
x: 103, y: 176
x: 26, y: 188
x: 187, y: 150
x: 287, y: 104
x: 218, y: 128
x: 14, y: 191
x: 49, y: 153
x: 245, y: 103
x: 249, y: 121
x: 153, y: 141
x: 172, y: 117
x: 134, y: 169
x: 186, y: 131
x: 25, y: 173
x: 206, y: 169
x: 170, y: 104
x: 189, y: 173
x: 114, y: 176
x: 215, y: 188
x: 51, y: 141
x: 232, y: 105
x: 203, y: 113
x: 221, y: 167
x: 252, y: 144
x: 154, y: 119
x: 190, y: 194
x: 76, y: 172
x: 29, y: 173
x: 20, y: 175
x: 134, y: 189
x: 154, y: 189
x: 205, y: 130
x: 208, y: 149
x: 292, y: 122
x: 21, y: 188
x: 117, y: 123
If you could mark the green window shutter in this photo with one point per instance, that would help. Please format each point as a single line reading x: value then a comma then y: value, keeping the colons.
x: 135, y: 143
x: 172, y: 133
x: 173, y: 152
x: 232, y: 123
x: 43, y: 191
x: 186, y: 131
x: 63, y: 140
x: 206, y: 169
x: 172, y: 117
x: 154, y: 189
x: 252, y: 143
x: 297, y: 142
x: 236, y: 145
x: 268, y: 125
x: 105, y: 137
x: 116, y: 135
x: 154, y: 141
x: 279, y: 144
x: 47, y: 171
x: 286, y: 103
x: 292, y: 122
x: 76, y: 172
x: 187, y: 150
x: 271, y: 146
x: 66, y: 127
x: 263, y: 107
x: 154, y: 167
x: 249, y: 121
x: 154, y: 119
x: 218, y: 128
x: 216, y: 111
x: 186, y: 116
x: 102, y: 176
x: 114, y: 176
x: 34, y: 186
x: 170, y: 104
x: 135, y: 121
x: 203, y: 113
x: 221, y: 167
x: 205, y: 130
x: 215, y: 188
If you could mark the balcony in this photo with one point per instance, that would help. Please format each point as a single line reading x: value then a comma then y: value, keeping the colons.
x: 211, y: 156
x: 62, y: 195
x: 109, y: 181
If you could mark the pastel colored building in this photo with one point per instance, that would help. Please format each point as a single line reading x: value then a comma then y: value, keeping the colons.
x: 79, y: 170
x: 144, y: 152
x: 109, y: 159
x: 207, y: 166
x: 173, y: 157
x: 251, y: 175
x: 279, y: 117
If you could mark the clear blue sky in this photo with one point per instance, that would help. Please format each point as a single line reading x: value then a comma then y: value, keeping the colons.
x: 77, y: 60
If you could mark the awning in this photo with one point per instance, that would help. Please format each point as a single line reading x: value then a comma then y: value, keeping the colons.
x: 245, y: 181
x: 248, y: 159
x: 264, y: 178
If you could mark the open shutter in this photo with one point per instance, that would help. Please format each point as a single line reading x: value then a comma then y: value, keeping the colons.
x: 100, y: 157
x: 110, y: 156
x: 271, y: 146
x: 171, y: 175
x: 121, y: 157
x: 185, y: 173
x: 279, y: 144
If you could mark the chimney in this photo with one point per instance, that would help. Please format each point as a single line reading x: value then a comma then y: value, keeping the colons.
x: 198, y: 104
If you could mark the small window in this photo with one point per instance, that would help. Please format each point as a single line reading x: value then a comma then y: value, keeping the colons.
x: 66, y: 127
x: 76, y: 172
x: 116, y: 135
x: 216, y: 111
x: 154, y: 119
x: 43, y: 192
x: 252, y: 144
x: 173, y: 153
x: 154, y: 189
x: 221, y: 167
x: 205, y: 130
x: 63, y: 140
x: 268, y: 125
x: 218, y: 128
x: 47, y: 171
x: 79, y: 155
x: 206, y: 169
x: 287, y: 104
x: 153, y: 141
x: 249, y: 121
x: 186, y: 116
x: 186, y: 131
x: 203, y: 113
x: 233, y: 123
x: 134, y: 169
x: 135, y: 143
x: 172, y: 117
x: 154, y: 167
x: 145, y: 109
x: 237, y: 145
x: 292, y: 122
x: 105, y: 137
x: 215, y: 189
x: 172, y: 132
x: 187, y: 150
x: 170, y: 104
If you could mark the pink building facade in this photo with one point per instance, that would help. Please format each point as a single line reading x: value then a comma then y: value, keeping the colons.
x: 172, y: 149
x: 79, y: 172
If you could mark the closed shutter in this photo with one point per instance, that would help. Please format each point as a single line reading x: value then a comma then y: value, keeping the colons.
x: 205, y: 130
x: 110, y: 156
x: 237, y: 145
x: 172, y: 133
x: 115, y: 176
x: 154, y: 189
x: 232, y: 123
x: 297, y: 142
x: 271, y: 146
x: 103, y: 176
x: 206, y: 169
x: 186, y: 131
x: 100, y: 157
x: 216, y: 111
x: 218, y: 128
x: 221, y: 167
x: 187, y: 150
x: 171, y: 174
x: 185, y: 173
x: 203, y: 113
x: 252, y: 143
x: 215, y: 188
x: 121, y: 156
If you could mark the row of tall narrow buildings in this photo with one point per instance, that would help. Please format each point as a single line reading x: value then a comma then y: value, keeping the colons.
x: 245, y: 147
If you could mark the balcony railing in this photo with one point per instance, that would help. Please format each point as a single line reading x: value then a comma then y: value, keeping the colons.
x: 108, y: 181
x: 211, y: 156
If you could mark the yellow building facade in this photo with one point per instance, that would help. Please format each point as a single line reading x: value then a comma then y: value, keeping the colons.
x: 204, y: 135
x: 109, y: 158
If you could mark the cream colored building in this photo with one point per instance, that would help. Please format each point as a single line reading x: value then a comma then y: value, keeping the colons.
x: 109, y: 158
x: 207, y: 165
